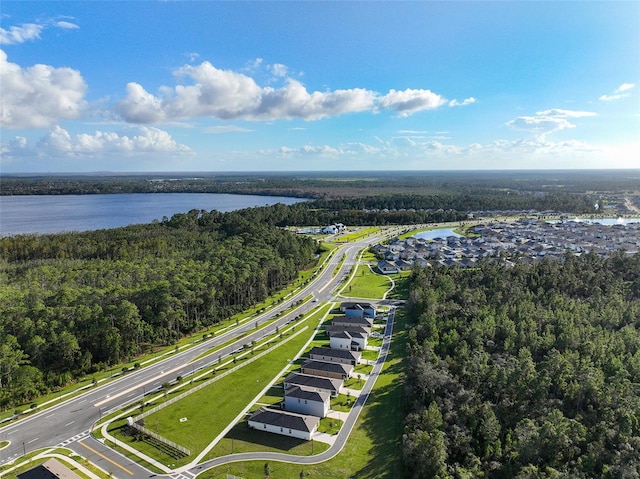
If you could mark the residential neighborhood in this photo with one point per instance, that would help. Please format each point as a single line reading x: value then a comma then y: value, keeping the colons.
x: 308, y: 391
x: 523, y: 240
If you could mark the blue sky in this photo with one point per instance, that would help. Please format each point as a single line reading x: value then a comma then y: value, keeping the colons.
x: 318, y: 85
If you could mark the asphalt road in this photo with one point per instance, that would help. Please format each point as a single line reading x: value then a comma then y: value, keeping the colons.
x: 70, y: 422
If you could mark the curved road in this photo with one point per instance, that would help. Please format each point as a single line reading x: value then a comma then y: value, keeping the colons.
x: 71, y: 421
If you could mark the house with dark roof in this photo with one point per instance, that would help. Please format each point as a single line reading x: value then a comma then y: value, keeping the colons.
x: 352, y: 321
x: 50, y: 469
x: 285, y: 423
x: 302, y: 400
x: 335, y: 355
x: 316, y: 383
x: 327, y: 369
x: 346, y: 340
x: 387, y: 267
x: 338, y: 328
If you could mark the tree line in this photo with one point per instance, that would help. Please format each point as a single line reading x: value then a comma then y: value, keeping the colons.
x: 531, y: 371
x: 330, y: 184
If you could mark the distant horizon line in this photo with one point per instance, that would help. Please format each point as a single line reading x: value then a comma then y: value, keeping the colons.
x: 314, y: 172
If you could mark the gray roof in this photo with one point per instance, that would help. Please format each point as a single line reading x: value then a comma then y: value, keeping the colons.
x: 50, y: 469
x: 348, y: 305
x: 338, y: 368
x: 335, y: 328
x: 328, y: 384
x: 336, y: 353
x: 301, y: 392
x: 284, y: 419
x: 351, y: 321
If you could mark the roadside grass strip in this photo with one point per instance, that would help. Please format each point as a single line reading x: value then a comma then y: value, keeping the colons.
x: 199, y: 417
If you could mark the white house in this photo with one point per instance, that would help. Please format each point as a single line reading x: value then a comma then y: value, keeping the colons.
x: 303, y: 400
x: 386, y: 267
x: 348, y: 340
x: 285, y: 423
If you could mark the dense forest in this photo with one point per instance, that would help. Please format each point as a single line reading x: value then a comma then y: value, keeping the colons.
x: 73, y: 303
x: 329, y: 185
x: 411, y: 209
x: 525, y: 372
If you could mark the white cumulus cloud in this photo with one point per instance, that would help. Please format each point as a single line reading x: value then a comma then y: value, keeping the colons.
x: 409, y: 101
x: 621, y: 92
x: 548, y: 121
x: 133, y: 142
x: 465, y: 102
x: 30, y: 31
x: 40, y: 95
x: 20, y: 34
x: 206, y: 91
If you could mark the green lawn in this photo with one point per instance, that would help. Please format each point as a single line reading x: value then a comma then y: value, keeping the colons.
x: 366, y: 284
x: 329, y: 425
x: 363, y: 369
x: 341, y: 403
x: 354, y: 383
x: 370, y: 354
x: 373, y: 449
x: 211, y: 409
x: 359, y: 234
x: 242, y: 439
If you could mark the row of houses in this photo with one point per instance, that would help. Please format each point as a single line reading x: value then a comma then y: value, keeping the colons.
x: 524, y: 240
x: 308, y: 392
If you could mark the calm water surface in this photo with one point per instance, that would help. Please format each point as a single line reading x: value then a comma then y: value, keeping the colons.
x: 53, y: 214
x: 438, y: 233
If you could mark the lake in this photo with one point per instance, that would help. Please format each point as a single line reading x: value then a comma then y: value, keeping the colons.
x: 437, y: 233
x: 54, y: 214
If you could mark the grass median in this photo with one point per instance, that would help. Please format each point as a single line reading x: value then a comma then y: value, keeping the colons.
x: 194, y: 421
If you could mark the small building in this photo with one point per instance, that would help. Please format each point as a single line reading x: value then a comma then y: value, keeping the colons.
x: 291, y: 424
x: 338, y: 328
x: 335, y: 355
x: 387, y: 267
x: 50, y: 469
x: 303, y: 400
x: 327, y: 369
x: 350, y: 341
x: 315, y: 383
x: 359, y: 310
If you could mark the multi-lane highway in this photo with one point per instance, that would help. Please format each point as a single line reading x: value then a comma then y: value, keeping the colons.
x: 71, y: 421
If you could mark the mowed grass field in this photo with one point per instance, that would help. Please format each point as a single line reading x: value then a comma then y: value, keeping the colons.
x: 373, y: 450
x: 367, y: 284
x: 210, y: 410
